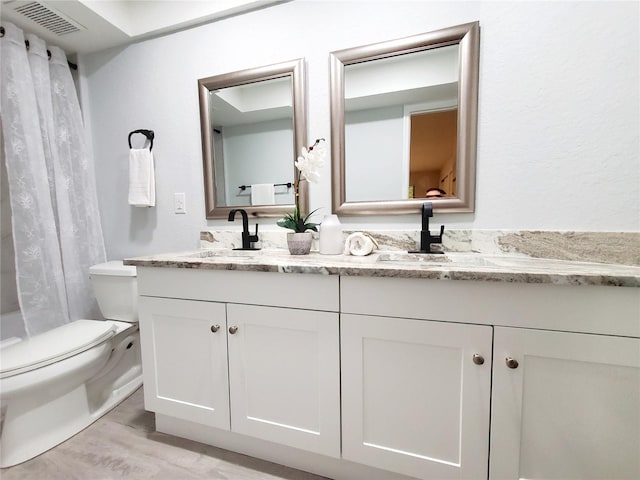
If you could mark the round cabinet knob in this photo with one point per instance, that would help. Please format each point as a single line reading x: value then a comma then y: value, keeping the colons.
x: 478, y: 359
x: 215, y: 328
x: 233, y: 330
x: 511, y: 362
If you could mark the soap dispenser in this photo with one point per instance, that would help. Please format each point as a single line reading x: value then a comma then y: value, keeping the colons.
x: 331, y: 241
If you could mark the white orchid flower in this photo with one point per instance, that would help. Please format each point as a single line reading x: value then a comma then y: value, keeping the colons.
x: 310, y: 162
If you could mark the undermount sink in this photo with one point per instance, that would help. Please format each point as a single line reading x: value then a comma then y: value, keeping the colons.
x: 225, y: 252
x: 412, y: 257
x: 422, y: 259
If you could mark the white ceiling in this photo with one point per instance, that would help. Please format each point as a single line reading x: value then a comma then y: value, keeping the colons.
x: 104, y: 24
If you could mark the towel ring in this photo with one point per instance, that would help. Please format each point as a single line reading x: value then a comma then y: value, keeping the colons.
x: 147, y: 133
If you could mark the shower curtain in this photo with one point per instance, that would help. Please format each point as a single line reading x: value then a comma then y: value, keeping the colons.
x: 55, y: 219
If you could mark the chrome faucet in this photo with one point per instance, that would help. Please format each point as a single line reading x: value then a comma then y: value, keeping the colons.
x: 426, y: 239
x: 247, y: 238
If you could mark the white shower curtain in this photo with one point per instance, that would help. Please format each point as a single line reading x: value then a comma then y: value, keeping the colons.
x: 55, y: 219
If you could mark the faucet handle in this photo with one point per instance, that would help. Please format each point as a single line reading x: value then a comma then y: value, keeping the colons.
x: 254, y: 238
x: 438, y: 238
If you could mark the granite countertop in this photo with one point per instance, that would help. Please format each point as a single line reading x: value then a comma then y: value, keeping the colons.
x: 450, y: 266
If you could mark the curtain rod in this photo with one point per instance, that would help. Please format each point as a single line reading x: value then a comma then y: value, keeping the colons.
x: 72, y: 66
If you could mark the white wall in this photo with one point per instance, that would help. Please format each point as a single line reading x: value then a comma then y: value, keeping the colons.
x: 558, y: 145
x: 258, y: 153
x: 373, y: 171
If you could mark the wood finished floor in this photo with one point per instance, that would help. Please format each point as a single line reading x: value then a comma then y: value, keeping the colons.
x: 124, y: 444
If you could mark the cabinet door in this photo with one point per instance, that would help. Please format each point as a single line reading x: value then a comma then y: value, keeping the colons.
x: 184, y: 361
x: 570, y: 408
x: 285, y: 376
x: 413, y: 399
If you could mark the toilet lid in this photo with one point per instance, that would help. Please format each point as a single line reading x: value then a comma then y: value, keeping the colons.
x: 53, y: 346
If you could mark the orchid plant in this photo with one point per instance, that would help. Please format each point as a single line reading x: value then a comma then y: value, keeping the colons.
x: 308, y: 165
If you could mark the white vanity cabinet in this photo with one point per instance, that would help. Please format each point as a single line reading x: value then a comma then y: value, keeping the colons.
x: 565, y: 389
x: 565, y: 405
x: 217, y: 353
x: 415, y: 396
x: 380, y: 378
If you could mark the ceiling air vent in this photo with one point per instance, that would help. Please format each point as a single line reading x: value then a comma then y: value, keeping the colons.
x: 48, y: 18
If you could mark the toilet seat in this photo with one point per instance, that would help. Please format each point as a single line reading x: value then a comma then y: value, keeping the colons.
x: 54, y: 345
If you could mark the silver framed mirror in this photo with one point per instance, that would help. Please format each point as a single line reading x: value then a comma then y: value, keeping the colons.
x: 404, y: 123
x: 253, y: 125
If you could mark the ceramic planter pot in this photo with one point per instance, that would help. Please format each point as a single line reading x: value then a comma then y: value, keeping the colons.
x: 299, y: 243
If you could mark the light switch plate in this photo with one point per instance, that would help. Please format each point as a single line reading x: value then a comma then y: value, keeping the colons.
x: 179, y: 205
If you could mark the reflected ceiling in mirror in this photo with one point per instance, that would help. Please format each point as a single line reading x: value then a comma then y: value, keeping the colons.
x: 403, y: 122
x: 252, y: 124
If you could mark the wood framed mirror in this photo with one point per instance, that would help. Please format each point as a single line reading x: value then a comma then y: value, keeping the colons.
x: 404, y: 122
x: 253, y: 125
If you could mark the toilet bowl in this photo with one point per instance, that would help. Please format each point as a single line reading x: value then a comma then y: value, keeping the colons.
x: 55, y: 384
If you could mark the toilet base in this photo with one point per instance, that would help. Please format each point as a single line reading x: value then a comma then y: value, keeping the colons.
x: 43, y: 418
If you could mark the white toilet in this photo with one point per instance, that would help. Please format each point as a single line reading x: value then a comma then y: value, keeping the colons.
x: 57, y: 383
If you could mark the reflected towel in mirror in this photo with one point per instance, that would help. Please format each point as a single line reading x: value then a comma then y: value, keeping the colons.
x: 263, y: 194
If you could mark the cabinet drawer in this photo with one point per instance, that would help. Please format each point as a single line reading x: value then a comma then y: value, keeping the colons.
x: 587, y: 309
x: 312, y: 292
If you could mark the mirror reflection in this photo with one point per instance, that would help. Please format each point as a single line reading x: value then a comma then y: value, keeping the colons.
x: 252, y: 139
x: 404, y: 123
x: 411, y: 101
x: 252, y: 125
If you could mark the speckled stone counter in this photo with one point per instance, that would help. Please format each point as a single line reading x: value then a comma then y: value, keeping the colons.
x: 393, y: 263
x: 602, y: 247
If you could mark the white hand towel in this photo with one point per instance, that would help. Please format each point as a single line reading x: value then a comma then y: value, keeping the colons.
x: 359, y: 244
x: 142, y: 182
x: 263, y: 194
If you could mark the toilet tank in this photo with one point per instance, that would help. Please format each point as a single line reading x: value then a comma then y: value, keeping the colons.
x: 116, y: 288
